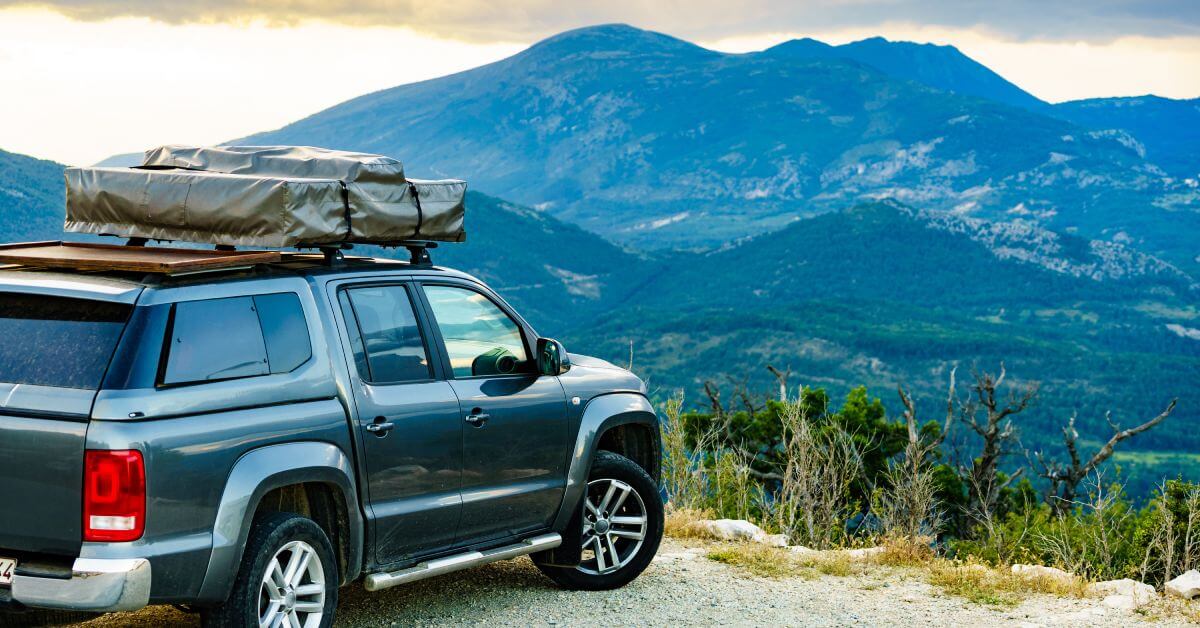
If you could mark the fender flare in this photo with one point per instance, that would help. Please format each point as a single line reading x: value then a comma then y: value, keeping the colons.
x: 255, y: 474
x: 600, y: 415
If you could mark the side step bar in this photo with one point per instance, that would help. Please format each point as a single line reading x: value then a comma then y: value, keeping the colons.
x: 378, y: 581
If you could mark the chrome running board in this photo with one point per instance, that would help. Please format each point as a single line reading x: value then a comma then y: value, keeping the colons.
x: 428, y: 569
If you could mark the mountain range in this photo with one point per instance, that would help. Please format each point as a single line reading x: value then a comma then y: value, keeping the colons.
x: 872, y: 213
x: 655, y: 142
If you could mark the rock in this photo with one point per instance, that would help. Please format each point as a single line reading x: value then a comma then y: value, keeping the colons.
x: 1137, y: 593
x: 1042, y: 571
x: 1121, y: 602
x: 1186, y: 586
x: 864, y: 552
x: 774, y: 540
x: 732, y: 530
x: 803, y: 551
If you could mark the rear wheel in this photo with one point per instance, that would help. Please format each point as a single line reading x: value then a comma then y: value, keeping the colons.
x: 622, y: 526
x: 288, y: 577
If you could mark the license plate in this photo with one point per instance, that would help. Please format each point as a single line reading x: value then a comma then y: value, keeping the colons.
x: 7, y: 567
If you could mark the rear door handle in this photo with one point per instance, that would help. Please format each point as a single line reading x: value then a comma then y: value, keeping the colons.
x: 478, y: 417
x: 380, y: 427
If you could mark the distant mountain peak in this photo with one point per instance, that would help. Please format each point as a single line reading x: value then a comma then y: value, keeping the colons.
x: 799, y: 46
x: 939, y: 66
x: 615, y: 37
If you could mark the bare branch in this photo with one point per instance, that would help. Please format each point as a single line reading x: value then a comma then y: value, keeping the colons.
x: 1107, y: 450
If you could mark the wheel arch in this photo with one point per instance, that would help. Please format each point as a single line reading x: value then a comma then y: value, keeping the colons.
x: 624, y: 423
x: 271, y: 472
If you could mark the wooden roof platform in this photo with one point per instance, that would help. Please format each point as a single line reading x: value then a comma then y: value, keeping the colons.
x: 141, y: 259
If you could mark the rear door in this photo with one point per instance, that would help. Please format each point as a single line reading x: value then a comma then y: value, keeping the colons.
x: 408, y: 421
x: 515, y: 444
x: 54, y: 351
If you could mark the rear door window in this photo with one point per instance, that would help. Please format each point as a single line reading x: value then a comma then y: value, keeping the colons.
x: 386, y: 336
x: 236, y: 337
x: 58, y: 341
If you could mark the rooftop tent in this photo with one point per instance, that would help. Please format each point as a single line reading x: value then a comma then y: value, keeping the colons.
x: 272, y: 196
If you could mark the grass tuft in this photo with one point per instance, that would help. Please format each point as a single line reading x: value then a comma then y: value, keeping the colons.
x: 681, y: 523
x: 905, y: 552
x: 760, y: 560
x: 990, y: 586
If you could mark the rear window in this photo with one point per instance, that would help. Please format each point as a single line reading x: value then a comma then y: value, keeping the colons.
x: 220, y: 339
x: 58, y: 341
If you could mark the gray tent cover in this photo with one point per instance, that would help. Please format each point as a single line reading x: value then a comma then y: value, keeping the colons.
x: 267, y: 196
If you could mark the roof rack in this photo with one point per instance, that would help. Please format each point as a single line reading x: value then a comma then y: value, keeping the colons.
x: 418, y: 251
x: 132, y: 258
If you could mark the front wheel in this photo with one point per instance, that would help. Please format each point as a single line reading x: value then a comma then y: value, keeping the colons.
x: 622, y: 526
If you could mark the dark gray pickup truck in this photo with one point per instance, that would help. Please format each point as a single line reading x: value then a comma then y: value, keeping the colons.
x: 244, y: 442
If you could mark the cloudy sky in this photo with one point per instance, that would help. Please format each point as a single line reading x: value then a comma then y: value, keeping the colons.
x: 83, y: 79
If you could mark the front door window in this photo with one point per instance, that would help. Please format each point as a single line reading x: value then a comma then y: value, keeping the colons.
x: 480, y: 338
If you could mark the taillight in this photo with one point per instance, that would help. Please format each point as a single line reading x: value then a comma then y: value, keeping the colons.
x: 114, y: 496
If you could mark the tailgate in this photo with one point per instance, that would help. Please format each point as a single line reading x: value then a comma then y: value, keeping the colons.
x: 53, y: 356
x: 41, y: 480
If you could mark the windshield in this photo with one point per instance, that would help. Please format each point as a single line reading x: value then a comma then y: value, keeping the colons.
x: 57, y: 341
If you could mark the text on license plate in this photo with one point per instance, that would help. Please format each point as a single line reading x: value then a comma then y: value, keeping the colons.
x: 7, y: 567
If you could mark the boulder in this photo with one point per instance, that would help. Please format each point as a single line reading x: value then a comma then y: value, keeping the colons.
x: 1186, y: 586
x: 802, y: 551
x: 1042, y: 571
x: 774, y: 540
x: 1137, y: 593
x: 864, y: 552
x: 732, y: 530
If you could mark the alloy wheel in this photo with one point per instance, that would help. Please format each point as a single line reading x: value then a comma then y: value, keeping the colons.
x: 293, y: 589
x: 614, y: 526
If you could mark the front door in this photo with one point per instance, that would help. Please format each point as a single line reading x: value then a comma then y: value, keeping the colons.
x: 410, y: 426
x: 515, y: 443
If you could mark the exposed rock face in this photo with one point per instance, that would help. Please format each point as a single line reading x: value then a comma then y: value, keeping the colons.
x: 1125, y: 593
x: 1186, y: 586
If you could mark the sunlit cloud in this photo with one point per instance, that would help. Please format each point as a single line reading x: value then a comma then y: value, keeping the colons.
x: 478, y: 20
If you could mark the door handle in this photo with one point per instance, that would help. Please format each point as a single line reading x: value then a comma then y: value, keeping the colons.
x: 380, y: 427
x: 477, y: 418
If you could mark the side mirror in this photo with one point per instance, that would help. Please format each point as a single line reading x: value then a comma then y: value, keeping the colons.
x: 552, y: 357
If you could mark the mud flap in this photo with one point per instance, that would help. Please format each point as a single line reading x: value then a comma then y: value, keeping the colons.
x: 570, y: 553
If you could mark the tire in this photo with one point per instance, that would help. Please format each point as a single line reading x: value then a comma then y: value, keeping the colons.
x: 276, y: 539
x: 598, y: 572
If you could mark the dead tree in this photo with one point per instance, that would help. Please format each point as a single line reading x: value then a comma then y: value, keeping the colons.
x: 918, y: 449
x: 741, y: 389
x: 714, y: 398
x: 1063, y: 480
x: 782, y: 378
x: 908, y: 505
x: 999, y: 435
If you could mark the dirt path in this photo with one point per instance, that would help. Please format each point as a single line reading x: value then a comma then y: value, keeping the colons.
x: 682, y: 587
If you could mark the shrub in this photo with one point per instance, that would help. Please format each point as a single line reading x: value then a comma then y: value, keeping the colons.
x: 1169, y: 533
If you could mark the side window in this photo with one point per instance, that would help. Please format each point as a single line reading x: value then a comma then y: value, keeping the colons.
x: 480, y: 338
x: 285, y: 330
x: 387, y: 340
x: 235, y: 337
x: 215, y: 339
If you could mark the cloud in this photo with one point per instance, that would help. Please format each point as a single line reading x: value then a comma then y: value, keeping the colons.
x: 520, y: 20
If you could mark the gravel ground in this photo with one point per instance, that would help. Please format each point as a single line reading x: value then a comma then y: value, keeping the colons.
x: 680, y: 587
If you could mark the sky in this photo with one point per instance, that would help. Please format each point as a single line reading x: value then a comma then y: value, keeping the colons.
x: 84, y: 79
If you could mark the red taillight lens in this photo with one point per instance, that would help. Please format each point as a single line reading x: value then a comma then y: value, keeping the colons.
x: 114, y: 496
